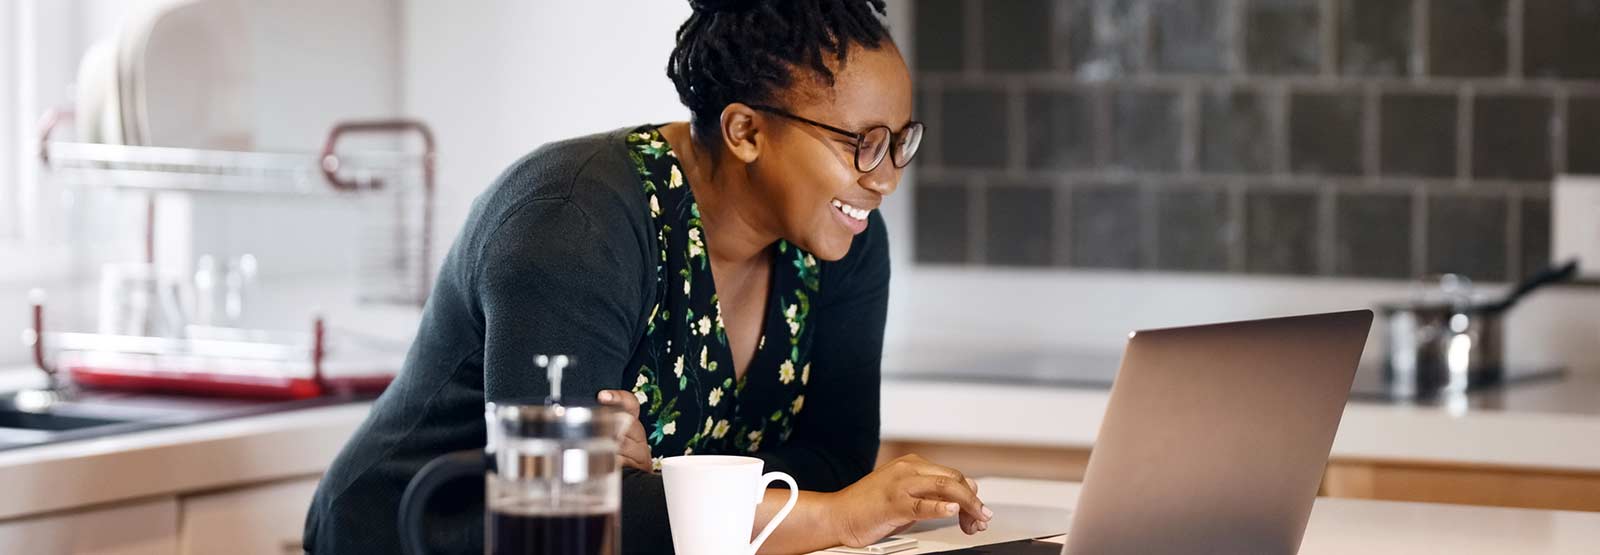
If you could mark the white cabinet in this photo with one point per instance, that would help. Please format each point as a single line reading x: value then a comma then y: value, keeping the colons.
x: 145, y: 528
x: 264, y: 519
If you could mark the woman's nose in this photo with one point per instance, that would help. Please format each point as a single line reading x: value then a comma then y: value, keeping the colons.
x: 883, y: 179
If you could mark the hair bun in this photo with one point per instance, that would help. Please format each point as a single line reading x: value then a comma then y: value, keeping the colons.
x: 715, y: 6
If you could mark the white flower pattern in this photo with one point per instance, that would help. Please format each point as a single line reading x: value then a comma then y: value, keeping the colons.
x: 786, y: 372
x: 736, y: 419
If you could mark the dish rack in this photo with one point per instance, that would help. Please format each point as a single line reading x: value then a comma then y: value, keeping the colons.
x: 241, y: 362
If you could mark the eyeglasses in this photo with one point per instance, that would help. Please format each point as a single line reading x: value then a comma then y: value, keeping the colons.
x: 874, y: 145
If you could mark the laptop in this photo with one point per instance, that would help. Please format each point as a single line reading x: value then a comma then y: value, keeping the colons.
x: 1215, y: 438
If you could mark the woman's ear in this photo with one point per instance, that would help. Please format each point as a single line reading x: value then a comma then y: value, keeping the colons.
x: 741, y: 133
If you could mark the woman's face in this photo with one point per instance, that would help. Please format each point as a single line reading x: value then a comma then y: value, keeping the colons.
x: 804, y: 171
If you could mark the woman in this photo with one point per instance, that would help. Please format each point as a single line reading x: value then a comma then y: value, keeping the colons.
x: 725, y: 279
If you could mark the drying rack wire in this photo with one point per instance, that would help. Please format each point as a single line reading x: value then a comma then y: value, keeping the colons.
x: 402, y: 184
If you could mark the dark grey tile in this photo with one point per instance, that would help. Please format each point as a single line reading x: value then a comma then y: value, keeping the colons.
x: 1325, y: 132
x: 1061, y: 131
x: 1373, y: 236
x: 1375, y: 37
x: 1467, y: 38
x: 972, y: 130
x: 1467, y: 235
x: 1073, y: 24
x: 1195, y: 228
x: 1282, y: 37
x: 1146, y: 129
x: 1418, y: 135
x: 938, y: 34
x: 941, y: 222
x: 1020, y: 225
x: 1281, y: 232
x: 1105, y: 228
x: 1235, y: 133
x: 1511, y: 137
x: 1016, y: 35
x: 1108, y: 37
x: 1583, y: 135
x: 1535, y: 236
x: 1187, y: 36
x: 1561, y: 38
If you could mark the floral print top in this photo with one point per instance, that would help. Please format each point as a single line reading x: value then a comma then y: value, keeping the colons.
x: 690, y: 401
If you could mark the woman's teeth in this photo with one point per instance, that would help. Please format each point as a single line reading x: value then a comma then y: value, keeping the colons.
x: 851, y: 211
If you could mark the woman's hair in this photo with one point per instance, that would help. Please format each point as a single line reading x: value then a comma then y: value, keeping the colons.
x: 752, y: 50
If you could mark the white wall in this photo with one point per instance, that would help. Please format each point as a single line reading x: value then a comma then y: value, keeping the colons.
x: 496, y: 79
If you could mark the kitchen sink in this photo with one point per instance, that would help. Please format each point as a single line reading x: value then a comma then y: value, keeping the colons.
x: 49, y: 422
x: 91, y: 414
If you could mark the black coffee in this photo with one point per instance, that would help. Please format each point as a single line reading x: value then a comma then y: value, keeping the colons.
x: 512, y: 533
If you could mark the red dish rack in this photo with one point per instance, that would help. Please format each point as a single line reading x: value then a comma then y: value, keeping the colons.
x: 235, y: 362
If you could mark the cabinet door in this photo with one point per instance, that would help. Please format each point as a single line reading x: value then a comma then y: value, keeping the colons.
x: 266, y: 520
x: 145, y: 528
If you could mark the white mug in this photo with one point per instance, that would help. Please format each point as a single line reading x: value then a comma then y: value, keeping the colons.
x: 711, y: 503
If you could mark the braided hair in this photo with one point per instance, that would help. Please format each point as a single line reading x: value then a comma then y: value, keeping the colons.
x: 750, y: 50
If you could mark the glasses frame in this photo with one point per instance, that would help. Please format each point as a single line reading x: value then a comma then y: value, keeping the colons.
x: 888, y: 153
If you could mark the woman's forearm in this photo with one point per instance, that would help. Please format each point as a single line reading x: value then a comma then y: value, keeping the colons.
x: 809, y: 526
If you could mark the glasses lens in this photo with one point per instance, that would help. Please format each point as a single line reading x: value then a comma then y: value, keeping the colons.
x: 873, y: 148
x: 906, y: 144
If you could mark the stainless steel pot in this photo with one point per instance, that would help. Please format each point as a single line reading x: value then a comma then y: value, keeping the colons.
x: 1449, y: 339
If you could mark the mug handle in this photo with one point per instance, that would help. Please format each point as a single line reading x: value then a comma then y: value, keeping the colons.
x: 438, y: 472
x: 794, y: 495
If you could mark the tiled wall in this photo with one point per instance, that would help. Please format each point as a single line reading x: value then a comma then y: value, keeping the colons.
x: 1361, y: 138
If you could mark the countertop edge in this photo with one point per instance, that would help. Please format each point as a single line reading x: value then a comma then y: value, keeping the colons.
x: 1070, y: 418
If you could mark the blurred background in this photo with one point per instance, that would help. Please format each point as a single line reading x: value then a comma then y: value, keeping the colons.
x: 248, y: 199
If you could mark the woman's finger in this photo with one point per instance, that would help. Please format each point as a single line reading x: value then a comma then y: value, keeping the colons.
x: 620, y: 399
x: 635, y: 454
x: 921, y: 508
x: 948, y: 489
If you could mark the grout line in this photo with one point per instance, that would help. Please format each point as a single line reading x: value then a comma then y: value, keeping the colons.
x: 1437, y: 84
x: 1238, y: 254
x: 1371, y: 134
x: 1328, y: 33
x: 1515, y: 34
x: 1233, y: 43
x: 1116, y: 177
x: 1104, y: 125
x: 977, y: 222
x: 1464, y: 122
x: 1016, y: 128
x: 1277, y: 102
x: 1513, y: 206
x: 1327, y: 232
x: 1419, y: 39
x: 1063, y: 225
x: 933, y: 118
x: 972, y: 28
x: 1419, y: 232
x: 1149, y: 227
x: 1139, y: 16
x: 1188, y: 131
x: 1558, y: 139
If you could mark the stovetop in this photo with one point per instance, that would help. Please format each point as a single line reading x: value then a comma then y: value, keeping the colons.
x: 1090, y: 369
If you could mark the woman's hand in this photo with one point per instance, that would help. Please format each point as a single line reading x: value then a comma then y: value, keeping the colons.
x: 632, y: 450
x: 899, y: 494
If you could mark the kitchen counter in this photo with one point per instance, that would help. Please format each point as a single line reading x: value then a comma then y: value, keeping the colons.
x: 171, y: 460
x: 1336, y: 526
x: 1546, y: 425
x: 1056, y: 399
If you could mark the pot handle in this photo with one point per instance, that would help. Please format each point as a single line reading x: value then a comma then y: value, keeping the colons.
x: 1549, y: 275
